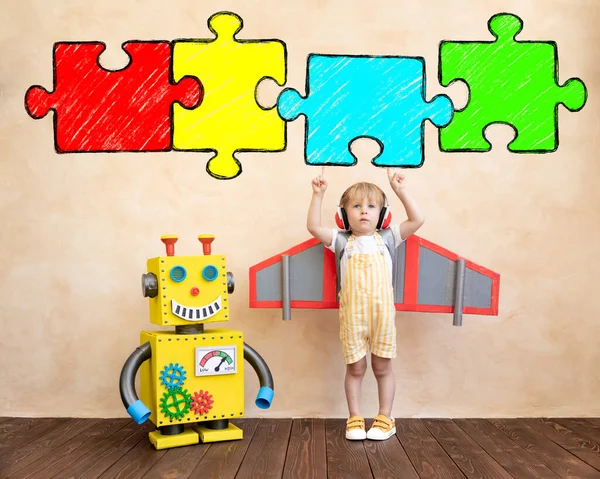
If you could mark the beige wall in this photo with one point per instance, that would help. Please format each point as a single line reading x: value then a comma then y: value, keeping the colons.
x: 77, y: 229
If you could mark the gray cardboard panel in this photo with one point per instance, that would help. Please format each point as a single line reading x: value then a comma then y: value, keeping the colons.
x: 268, y: 283
x: 436, y: 278
x: 478, y: 290
x: 306, y: 278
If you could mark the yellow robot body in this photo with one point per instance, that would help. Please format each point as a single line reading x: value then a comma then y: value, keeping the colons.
x: 193, y: 378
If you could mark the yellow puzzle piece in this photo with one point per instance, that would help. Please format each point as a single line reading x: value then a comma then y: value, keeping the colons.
x: 229, y: 119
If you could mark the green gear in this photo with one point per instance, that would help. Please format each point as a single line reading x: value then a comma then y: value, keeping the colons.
x: 171, y: 401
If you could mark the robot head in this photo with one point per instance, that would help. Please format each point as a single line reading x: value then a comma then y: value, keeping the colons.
x: 185, y: 290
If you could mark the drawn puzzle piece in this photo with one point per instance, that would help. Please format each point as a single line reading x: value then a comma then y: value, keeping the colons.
x: 511, y: 82
x: 349, y: 97
x: 229, y: 119
x: 101, y: 110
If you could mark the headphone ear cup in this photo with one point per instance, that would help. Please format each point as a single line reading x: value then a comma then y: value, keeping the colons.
x: 385, y: 216
x: 339, y: 222
x: 341, y: 219
x: 382, y: 214
x: 387, y: 219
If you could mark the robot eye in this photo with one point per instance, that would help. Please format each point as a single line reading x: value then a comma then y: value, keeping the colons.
x: 178, y: 273
x: 210, y: 272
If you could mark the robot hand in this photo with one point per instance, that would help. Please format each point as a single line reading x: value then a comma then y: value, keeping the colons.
x: 264, y: 397
x: 139, y: 412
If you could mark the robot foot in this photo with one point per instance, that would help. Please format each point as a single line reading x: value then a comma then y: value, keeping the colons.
x: 163, y: 441
x: 230, y: 433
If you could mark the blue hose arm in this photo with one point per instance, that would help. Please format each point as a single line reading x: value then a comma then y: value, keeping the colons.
x: 135, y: 407
x: 266, y: 391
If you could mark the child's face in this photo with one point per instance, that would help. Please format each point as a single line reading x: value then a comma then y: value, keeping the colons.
x: 363, y: 214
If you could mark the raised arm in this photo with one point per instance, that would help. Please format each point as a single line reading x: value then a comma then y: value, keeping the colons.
x: 313, y: 220
x: 415, y: 218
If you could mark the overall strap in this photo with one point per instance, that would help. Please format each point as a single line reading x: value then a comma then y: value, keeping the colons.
x: 381, y: 246
x: 341, y: 240
x: 388, y: 239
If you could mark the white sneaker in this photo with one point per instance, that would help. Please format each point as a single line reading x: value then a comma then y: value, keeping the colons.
x: 355, y: 429
x: 383, y: 428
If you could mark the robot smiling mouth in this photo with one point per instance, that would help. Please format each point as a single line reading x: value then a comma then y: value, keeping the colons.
x: 196, y: 314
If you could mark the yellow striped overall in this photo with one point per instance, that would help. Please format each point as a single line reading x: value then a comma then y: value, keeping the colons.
x: 367, y: 309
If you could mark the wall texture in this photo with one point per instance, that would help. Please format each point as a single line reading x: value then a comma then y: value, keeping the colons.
x: 77, y: 229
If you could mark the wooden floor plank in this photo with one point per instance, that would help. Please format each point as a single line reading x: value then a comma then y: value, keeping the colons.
x: 20, y: 423
x: 566, y: 435
x: 266, y: 454
x: 70, y: 451
x: 11, y: 423
x: 64, y: 430
x: 179, y: 462
x: 555, y: 457
x: 427, y: 456
x: 388, y: 459
x: 307, y: 453
x: 21, y: 433
x: 469, y: 456
x: 583, y: 427
x: 135, y: 463
x: 512, y: 457
x: 345, y: 459
x: 223, y: 459
x: 594, y: 421
x: 107, y: 452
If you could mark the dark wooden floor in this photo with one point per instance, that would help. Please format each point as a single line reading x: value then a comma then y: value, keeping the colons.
x: 306, y: 448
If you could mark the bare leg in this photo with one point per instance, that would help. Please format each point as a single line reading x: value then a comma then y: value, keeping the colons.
x: 386, y: 384
x: 355, y: 373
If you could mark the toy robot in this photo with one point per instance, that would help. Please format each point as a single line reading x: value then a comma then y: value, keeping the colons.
x: 189, y: 375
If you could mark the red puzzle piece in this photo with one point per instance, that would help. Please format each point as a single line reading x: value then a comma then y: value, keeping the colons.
x: 101, y: 110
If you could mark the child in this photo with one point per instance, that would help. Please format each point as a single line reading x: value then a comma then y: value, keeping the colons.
x: 367, y: 308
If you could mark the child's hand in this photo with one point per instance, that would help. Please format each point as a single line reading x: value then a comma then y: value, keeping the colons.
x: 396, y: 180
x: 319, y: 184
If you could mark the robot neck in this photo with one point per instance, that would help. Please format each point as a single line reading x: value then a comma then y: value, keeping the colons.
x: 190, y: 329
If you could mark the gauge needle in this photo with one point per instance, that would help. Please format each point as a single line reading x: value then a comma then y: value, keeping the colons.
x: 219, y: 365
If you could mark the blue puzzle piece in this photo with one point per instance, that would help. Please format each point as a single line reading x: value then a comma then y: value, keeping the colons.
x: 376, y: 97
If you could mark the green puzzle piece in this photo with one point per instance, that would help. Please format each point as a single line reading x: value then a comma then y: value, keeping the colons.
x: 510, y: 82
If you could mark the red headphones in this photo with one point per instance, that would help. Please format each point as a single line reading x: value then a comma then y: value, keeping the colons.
x: 385, y: 217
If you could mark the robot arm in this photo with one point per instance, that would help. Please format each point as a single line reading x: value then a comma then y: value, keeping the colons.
x: 135, y: 407
x: 266, y: 392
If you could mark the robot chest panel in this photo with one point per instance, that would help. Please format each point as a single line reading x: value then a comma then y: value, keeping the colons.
x: 203, y: 372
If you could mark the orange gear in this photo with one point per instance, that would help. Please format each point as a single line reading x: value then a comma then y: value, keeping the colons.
x: 201, y: 402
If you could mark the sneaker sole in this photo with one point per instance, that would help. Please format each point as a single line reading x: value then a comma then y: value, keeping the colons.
x: 351, y: 437
x: 387, y: 435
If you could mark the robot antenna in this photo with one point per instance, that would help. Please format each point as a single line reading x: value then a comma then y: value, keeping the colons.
x: 206, y: 240
x: 169, y: 241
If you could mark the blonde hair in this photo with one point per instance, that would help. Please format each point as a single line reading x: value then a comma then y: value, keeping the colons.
x: 362, y: 190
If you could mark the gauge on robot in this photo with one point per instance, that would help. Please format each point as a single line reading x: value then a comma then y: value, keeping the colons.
x: 211, y: 361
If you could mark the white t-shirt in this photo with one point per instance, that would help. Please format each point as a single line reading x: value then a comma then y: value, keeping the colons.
x: 366, y: 244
